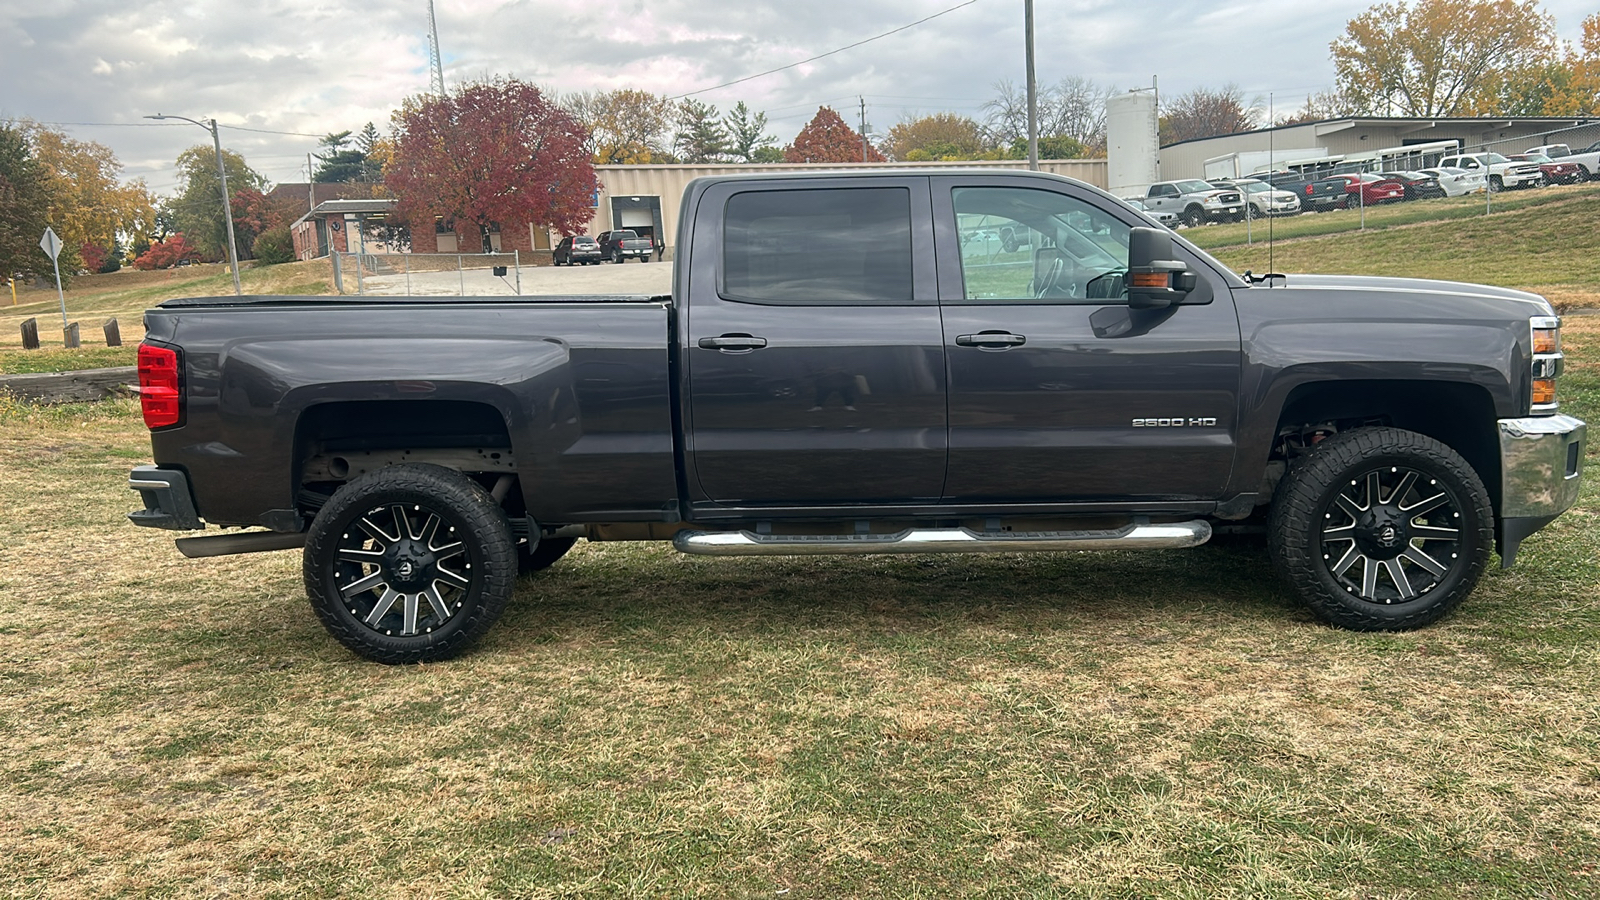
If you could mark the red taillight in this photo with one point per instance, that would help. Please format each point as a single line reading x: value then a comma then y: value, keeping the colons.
x: 1308, y: 190
x: 159, y: 396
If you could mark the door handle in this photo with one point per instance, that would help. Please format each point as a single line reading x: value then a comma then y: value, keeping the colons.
x: 733, y: 342
x: 991, y: 340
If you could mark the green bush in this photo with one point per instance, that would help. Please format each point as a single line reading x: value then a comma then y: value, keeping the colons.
x: 274, y: 246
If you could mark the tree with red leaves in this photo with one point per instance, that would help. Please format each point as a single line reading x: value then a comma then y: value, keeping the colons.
x: 493, y: 153
x: 166, y: 254
x: 826, y: 138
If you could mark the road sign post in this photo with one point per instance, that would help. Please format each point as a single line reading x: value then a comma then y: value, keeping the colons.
x: 51, y: 245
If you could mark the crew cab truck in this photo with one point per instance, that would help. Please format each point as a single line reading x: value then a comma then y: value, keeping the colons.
x: 848, y: 364
x: 1504, y: 173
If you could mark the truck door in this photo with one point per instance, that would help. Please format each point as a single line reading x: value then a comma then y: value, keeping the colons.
x: 814, y: 355
x: 1164, y: 197
x: 1058, y: 391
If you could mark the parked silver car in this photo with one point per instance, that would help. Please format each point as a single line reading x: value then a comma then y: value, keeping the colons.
x: 1169, y: 219
x: 1456, y: 182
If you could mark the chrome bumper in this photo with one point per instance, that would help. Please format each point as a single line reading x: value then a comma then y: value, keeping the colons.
x: 1541, y: 472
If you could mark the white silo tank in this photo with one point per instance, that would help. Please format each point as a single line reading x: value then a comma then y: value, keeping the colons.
x: 1132, y: 142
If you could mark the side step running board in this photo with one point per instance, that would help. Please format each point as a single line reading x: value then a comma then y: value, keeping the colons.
x: 242, y: 542
x: 1165, y: 536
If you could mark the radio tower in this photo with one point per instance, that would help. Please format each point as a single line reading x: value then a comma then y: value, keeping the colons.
x: 435, y: 58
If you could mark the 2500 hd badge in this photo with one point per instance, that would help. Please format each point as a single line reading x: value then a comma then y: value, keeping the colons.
x: 1175, y: 422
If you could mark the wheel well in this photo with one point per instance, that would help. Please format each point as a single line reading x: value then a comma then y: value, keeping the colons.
x: 333, y: 441
x: 1461, y: 416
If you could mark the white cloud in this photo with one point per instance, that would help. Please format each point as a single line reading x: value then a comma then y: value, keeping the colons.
x: 316, y: 66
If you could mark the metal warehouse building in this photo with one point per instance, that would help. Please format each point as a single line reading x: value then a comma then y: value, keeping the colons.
x: 1360, y: 136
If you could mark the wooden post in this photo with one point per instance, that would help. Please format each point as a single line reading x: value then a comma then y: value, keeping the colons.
x: 69, y: 338
x: 30, y: 334
x: 113, y: 334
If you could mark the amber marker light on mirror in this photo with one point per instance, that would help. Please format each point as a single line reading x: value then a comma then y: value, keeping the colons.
x: 1150, y: 279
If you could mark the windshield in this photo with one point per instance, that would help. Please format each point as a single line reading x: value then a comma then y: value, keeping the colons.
x: 1495, y: 158
x: 1530, y: 157
x: 1254, y: 187
x: 1188, y: 187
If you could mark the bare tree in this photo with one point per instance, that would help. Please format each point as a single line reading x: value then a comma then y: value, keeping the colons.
x: 1078, y: 111
x: 1205, y: 113
x: 1073, y: 107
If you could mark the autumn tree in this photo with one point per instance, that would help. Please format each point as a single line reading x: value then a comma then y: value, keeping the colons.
x: 1203, y: 113
x: 24, y: 207
x: 1440, y: 57
x: 197, y: 210
x: 166, y: 253
x: 491, y: 153
x: 1574, y: 90
x: 747, y: 137
x: 89, y: 204
x: 626, y: 127
x: 701, y: 136
x: 937, y: 136
x: 827, y: 139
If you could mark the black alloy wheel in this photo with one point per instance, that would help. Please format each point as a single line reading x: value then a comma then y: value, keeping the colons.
x: 410, y: 563
x: 1380, y: 529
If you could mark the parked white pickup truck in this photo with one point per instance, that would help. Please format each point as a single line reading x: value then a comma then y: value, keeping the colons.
x: 1195, y: 202
x: 1588, y: 158
x: 1503, y: 173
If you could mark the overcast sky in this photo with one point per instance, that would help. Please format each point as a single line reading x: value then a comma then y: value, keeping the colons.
x: 315, y: 66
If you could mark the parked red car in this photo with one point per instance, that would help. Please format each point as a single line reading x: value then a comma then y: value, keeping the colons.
x: 1374, y: 189
x: 1554, y: 172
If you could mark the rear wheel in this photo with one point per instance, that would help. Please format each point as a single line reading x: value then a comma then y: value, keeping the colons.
x: 410, y: 563
x: 1381, y: 529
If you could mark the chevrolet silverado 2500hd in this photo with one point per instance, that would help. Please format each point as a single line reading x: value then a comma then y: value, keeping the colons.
x: 847, y: 363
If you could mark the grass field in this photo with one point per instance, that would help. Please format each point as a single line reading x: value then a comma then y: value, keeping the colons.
x: 647, y: 724
x: 125, y: 295
x: 1541, y: 240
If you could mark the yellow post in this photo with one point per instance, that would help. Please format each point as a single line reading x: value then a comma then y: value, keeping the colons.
x: 13, y: 291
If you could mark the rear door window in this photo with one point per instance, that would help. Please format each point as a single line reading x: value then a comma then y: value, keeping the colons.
x: 849, y: 245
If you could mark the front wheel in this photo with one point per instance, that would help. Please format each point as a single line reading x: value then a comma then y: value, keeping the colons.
x: 1496, y: 185
x: 1194, y: 217
x: 410, y: 563
x: 1381, y: 529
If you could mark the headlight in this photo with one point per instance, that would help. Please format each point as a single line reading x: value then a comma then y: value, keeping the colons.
x: 1547, y: 362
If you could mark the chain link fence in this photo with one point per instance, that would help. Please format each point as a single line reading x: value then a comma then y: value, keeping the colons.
x: 428, y: 274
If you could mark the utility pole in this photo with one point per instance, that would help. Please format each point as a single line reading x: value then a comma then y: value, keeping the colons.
x: 863, y: 127
x: 311, y: 185
x: 1033, y: 93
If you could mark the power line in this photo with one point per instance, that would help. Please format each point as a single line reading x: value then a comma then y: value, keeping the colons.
x: 822, y: 55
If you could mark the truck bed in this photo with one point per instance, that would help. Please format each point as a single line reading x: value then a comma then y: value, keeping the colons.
x: 578, y: 388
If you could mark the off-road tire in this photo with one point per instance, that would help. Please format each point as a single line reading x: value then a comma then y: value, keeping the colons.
x: 1314, y: 509
x: 434, y: 555
x: 543, y: 556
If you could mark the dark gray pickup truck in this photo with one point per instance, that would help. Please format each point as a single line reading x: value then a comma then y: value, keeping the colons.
x: 852, y: 363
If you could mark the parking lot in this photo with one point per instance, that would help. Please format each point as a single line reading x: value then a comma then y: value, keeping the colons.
x: 606, y: 278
